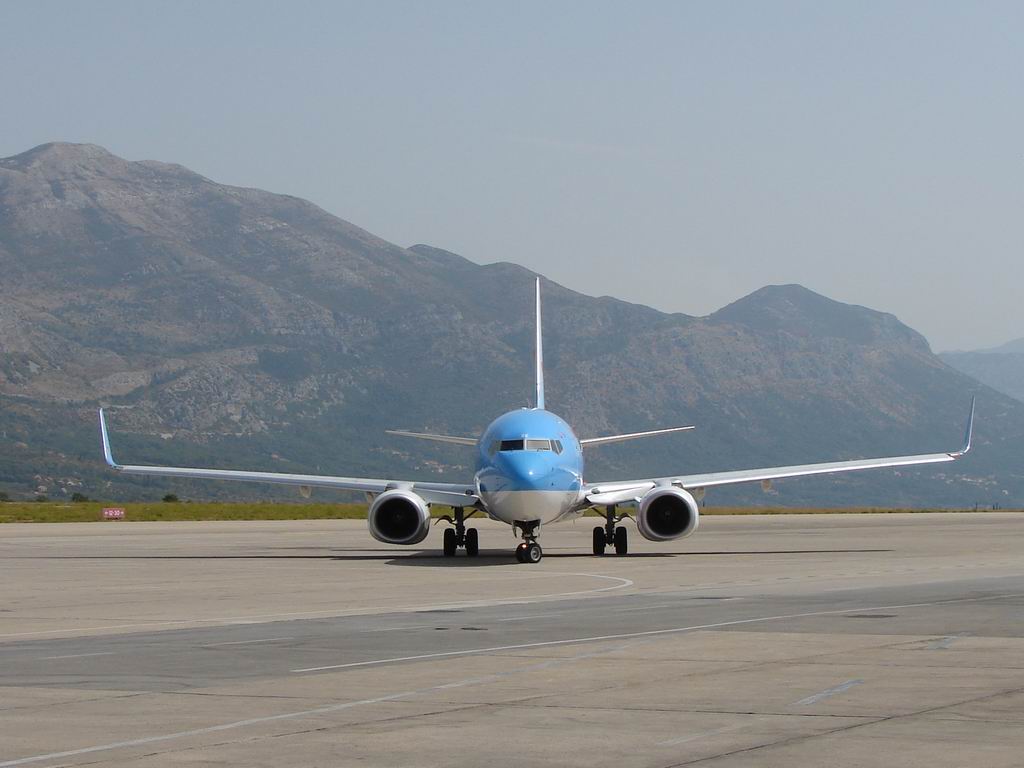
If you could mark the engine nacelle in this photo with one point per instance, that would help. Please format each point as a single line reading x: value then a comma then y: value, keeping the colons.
x: 399, y: 517
x: 666, y: 514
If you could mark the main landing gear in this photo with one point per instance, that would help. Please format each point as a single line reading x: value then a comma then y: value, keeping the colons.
x: 608, y: 535
x: 529, y: 551
x: 460, y: 536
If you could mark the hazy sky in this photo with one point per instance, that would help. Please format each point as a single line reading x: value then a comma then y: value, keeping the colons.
x: 675, y: 154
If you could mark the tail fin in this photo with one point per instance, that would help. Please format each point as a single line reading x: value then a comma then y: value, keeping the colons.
x: 539, y: 403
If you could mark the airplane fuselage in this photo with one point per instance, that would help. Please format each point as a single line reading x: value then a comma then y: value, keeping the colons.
x: 529, y: 466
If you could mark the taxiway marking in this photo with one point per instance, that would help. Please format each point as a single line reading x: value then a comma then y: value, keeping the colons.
x: 827, y: 693
x: 647, y: 607
x: 704, y: 734
x: 75, y: 655
x: 397, y: 629
x: 247, y: 642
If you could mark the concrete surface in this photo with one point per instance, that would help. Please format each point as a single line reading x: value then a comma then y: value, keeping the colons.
x: 892, y: 640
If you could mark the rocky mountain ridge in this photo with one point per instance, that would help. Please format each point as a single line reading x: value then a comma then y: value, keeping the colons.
x: 236, y: 327
x: 1001, y: 368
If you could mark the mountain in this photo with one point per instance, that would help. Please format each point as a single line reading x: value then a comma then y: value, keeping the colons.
x: 1015, y: 347
x: 234, y: 327
x: 1001, y: 368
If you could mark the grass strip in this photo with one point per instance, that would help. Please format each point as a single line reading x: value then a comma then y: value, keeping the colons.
x: 82, y: 512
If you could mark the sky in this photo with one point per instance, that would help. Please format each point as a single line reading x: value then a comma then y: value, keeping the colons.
x: 675, y: 154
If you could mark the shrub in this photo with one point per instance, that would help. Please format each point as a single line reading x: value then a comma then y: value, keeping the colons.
x: 170, y: 498
x: 79, y: 497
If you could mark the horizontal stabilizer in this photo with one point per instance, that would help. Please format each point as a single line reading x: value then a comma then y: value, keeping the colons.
x: 435, y: 438
x: 631, y: 436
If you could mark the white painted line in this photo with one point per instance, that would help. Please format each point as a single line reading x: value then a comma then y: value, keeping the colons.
x: 334, y: 613
x: 826, y: 693
x: 647, y: 633
x: 705, y: 734
x: 202, y: 731
x: 247, y: 642
x: 535, y: 616
x: 716, y: 599
x: 647, y: 607
x: 397, y: 629
x: 75, y: 656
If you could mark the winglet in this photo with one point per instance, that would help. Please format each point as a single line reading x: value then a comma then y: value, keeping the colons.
x: 968, y: 432
x: 106, y: 442
x: 540, y: 357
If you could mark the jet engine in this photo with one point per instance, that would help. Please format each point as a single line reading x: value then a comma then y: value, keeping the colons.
x: 666, y: 514
x: 399, y: 517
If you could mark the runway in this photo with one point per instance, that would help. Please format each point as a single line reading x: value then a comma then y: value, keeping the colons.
x: 774, y: 640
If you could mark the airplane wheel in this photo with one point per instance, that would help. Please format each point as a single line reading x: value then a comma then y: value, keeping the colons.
x: 449, y: 542
x: 599, y: 541
x: 521, y: 553
x: 472, y: 543
x: 621, y: 542
x: 533, y: 553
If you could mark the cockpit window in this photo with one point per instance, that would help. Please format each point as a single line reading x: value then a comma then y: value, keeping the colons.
x: 530, y: 445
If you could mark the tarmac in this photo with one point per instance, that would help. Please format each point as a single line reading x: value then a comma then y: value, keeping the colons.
x: 839, y: 640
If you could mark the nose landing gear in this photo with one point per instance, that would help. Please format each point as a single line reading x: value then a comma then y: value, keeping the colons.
x: 460, y: 536
x: 529, y: 551
x: 609, y: 535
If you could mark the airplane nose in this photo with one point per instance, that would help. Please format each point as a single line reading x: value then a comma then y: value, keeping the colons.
x: 528, y: 470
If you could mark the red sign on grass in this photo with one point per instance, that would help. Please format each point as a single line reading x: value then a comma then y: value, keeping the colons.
x: 113, y: 513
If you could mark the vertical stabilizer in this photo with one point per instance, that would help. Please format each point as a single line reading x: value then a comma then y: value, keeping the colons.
x: 540, y: 356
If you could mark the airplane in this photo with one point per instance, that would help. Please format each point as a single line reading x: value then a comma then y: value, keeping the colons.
x: 529, y: 473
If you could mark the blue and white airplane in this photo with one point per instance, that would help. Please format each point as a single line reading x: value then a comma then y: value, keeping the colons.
x: 529, y: 472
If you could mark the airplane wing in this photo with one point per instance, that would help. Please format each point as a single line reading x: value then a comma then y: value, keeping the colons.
x: 623, y: 492
x: 451, y: 494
